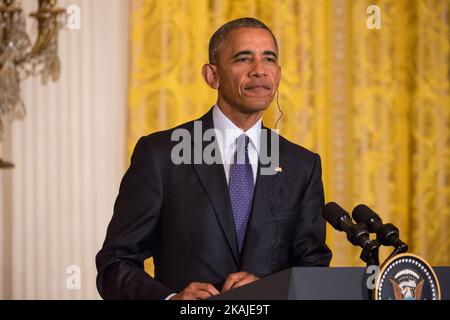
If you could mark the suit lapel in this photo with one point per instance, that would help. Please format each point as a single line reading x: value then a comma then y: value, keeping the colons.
x: 212, y: 177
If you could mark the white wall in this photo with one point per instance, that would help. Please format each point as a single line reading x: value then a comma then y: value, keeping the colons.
x: 69, y: 154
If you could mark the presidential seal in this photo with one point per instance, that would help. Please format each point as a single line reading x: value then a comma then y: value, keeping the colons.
x: 406, y: 277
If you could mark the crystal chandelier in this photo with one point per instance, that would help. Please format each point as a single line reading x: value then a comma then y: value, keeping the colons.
x: 19, y: 58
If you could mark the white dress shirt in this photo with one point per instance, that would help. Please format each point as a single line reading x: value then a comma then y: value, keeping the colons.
x: 227, y: 133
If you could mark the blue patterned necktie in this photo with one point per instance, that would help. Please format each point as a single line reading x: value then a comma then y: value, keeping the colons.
x: 241, y: 187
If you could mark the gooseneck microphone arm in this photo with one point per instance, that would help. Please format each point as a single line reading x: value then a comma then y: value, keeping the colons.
x: 357, y: 234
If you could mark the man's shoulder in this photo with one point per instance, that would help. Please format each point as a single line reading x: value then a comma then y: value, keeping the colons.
x: 296, y: 151
x: 165, y: 140
x: 164, y: 137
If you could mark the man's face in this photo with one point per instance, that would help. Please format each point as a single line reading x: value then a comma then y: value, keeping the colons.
x: 248, y: 72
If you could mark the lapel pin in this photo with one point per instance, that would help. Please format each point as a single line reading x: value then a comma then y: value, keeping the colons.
x: 278, y: 169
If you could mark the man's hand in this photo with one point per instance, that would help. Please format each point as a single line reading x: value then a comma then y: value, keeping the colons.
x: 196, y: 291
x: 238, y: 279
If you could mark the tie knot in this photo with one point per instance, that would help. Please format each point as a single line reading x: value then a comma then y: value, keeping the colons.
x: 242, y: 141
x: 241, y: 154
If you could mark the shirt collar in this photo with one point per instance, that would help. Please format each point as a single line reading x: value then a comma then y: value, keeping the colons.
x: 231, y: 132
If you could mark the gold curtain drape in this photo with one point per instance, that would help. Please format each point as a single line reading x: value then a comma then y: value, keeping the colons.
x: 375, y: 104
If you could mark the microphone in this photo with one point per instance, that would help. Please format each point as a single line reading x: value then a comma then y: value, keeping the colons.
x: 357, y: 234
x: 387, y: 234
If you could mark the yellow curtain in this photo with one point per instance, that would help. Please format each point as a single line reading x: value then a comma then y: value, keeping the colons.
x: 374, y: 103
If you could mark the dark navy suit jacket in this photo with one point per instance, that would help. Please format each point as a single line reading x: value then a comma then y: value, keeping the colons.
x: 181, y: 215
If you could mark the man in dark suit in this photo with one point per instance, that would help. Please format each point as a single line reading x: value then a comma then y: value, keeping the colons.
x: 214, y: 227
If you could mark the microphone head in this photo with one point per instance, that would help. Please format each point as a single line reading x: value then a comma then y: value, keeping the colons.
x: 363, y: 214
x: 334, y: 214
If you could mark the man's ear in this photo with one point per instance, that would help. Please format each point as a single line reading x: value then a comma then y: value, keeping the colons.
x: 209, y: 72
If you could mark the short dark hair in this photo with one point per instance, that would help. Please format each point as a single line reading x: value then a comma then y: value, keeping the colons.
x: 219, y: 36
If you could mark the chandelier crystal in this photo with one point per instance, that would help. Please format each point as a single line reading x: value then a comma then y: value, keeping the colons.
x: 19, y: 58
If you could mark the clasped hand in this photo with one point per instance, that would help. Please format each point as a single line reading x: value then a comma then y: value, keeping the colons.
x: 198, y: 290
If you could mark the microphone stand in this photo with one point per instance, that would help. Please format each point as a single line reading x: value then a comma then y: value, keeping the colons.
x: 400, y: 247
x: 370, y: 255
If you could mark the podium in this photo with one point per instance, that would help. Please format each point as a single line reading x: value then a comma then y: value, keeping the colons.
x: 317, y: 283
